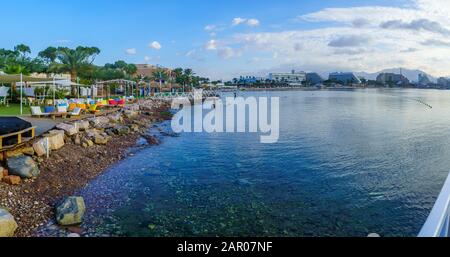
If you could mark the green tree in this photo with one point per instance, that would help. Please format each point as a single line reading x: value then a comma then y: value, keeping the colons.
x: 49, y: 55
x: 14, y: 68
x: 74, y: 61
x: 130, y: 70
x: 22, y: 49
x: 159, y: 75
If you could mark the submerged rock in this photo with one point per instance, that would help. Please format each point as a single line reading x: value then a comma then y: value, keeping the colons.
x: 7, y: 224
x: 70, y: 211
x: 23, y: 166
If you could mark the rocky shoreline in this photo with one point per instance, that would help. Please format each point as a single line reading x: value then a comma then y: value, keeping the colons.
x: 78, y: 152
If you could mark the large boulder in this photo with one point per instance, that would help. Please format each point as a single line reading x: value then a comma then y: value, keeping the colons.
x: 28, y: 151
x: 99, y: 121
x: 55, y: 139
x: 122, y: 130
x: 130, y: 114
x: 82, y: 125
x: 134, y: 127
x: 100, y: 140
x: 7, y: 224
x: 68, y: 128
x: 39, y: 147
x: 70, y: 211
x: 115, y: 118
x: 23, y: 166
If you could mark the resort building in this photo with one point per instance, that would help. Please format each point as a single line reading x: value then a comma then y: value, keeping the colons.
x: 146, y: 70
x: 344, y: 78
x: 250, y: 80
x: 313, y: 78
x: 291, y: 78
x: 443, y: 82
x: 392, y: 79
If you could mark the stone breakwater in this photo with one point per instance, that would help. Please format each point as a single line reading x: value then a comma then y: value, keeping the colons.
x: 37, y: 176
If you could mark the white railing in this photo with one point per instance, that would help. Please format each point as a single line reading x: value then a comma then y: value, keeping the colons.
x: 437, y: 224
x: 190, y: 95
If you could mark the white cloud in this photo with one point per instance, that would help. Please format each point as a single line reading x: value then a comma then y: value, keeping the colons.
x: 253, y: 22
x: 195, y: 55
x: 369, y: 38
x: 131, y: 51
x: 227, y: 52
x: 249, y: 22
x: 211, y: 45
x: 238, y: 21
x: 210, y: 27
x: 147, y: 58
x: 155, y: 45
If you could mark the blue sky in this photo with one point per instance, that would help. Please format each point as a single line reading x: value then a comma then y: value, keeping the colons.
x: 228, y: 38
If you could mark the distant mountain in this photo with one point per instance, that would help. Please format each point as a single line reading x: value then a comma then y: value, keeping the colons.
x: 412, y: 75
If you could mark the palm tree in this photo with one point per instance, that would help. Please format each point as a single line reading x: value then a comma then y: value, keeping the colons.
x: 178, y: 76
x: 188, y: 76
x: 159, y: 75
x: 130, y: 69
x: 15, y: 69
x: 75, y: 60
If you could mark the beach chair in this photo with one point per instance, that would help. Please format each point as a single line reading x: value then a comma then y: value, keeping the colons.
x: 93, y: 109
x: 54, y: 112
x: 112, y: 103
x: 72, y: 107
x: 121, y: 103
x: 3, y: 95
x: 82, y: 106
x: 75, y: 113
x: 37, y: 112
x: 62, y: 108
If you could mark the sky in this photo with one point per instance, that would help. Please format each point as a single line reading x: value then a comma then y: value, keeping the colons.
x: 222, y: 39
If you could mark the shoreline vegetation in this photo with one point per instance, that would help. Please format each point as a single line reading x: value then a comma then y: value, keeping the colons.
x: 77, y: 157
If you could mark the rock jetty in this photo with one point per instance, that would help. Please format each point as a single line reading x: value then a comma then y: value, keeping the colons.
x: 47, y: 171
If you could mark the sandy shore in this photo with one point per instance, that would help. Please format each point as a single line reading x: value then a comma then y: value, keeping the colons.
x: 68, y: 170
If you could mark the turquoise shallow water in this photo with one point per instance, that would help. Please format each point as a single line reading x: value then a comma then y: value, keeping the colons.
x: 348, y: 163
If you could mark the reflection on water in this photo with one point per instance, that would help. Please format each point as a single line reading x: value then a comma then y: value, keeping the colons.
x: 348, y: 163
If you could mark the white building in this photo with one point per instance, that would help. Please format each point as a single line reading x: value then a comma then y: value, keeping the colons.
x: 291, y: 78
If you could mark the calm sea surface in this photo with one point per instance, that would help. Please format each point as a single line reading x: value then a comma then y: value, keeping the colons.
x: 348, y: 163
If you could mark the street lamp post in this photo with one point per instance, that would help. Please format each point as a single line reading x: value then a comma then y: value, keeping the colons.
x: 21, y: 90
